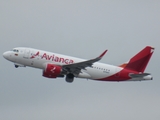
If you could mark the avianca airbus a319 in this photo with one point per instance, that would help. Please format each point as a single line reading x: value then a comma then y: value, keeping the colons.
x: 56, y: 65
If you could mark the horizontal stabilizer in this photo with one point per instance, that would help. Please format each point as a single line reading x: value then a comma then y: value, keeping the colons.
x: 139, y: 75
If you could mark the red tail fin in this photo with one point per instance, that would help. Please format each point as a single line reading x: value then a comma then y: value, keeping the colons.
x: 140, y: 60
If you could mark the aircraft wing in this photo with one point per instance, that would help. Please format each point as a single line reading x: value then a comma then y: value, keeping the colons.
x: 139, y: 75
x: 76, y: 68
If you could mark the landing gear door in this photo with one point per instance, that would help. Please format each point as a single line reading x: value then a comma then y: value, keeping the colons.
x: 26, y: 53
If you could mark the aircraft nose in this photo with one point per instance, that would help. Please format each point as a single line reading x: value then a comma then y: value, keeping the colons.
x: 6, y: 55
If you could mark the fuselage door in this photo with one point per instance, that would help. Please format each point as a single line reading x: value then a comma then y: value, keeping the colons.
x: 26, y: 53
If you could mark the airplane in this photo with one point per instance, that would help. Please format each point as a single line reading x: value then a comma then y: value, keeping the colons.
x: 55, y: 65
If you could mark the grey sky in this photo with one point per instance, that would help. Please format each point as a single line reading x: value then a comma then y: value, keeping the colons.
x: 82, y: 29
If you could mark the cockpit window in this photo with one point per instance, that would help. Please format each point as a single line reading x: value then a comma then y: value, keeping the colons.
x: 15, y: 50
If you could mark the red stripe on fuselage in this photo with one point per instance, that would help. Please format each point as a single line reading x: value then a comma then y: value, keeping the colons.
x: 123, y: 75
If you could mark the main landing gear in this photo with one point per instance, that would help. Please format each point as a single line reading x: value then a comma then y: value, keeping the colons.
x: 69, y: 78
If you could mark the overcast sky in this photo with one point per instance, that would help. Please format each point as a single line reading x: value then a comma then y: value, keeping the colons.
x: 80, y: 28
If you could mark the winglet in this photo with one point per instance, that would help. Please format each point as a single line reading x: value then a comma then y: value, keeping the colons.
x: 103, y: 54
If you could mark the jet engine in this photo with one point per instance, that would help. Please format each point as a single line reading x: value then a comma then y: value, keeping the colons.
x: 52, y: 71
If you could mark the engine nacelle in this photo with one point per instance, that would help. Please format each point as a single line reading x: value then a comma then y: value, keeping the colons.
x: 52, y: 71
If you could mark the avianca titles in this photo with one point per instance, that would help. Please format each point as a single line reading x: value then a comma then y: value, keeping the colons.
x: 55, y: 65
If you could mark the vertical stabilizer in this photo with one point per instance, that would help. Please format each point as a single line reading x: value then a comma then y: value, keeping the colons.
x: 140, y: 60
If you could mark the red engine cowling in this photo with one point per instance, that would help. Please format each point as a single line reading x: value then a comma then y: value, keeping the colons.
x: 52, y: 71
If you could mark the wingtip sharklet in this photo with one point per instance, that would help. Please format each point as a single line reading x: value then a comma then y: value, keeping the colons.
x: 103, y: 54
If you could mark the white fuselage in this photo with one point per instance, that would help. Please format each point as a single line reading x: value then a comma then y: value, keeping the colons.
x: 22, y: 56
x: 28, y: 57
